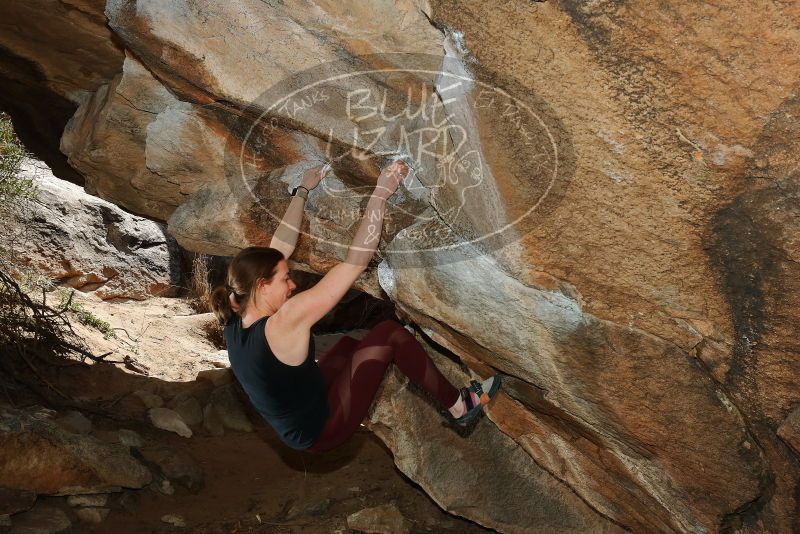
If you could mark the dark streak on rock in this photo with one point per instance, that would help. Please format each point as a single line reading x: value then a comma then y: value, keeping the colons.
x: 742, y: 253
x: 638, y: 79
x: 587, y: 21
x: 747, y: 249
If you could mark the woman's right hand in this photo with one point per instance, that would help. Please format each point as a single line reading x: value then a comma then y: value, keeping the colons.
x: 390, y: 178
x: 313, y: 176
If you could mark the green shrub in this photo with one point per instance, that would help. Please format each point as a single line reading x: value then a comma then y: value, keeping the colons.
x: 16, y: 192
x: 83, y: 315
x: 12, y: 152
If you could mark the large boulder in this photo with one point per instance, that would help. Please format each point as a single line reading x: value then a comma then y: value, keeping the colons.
x: 93, y: 245
x: 485, y: 477
x: 39, y: 456
x: 604, y: 209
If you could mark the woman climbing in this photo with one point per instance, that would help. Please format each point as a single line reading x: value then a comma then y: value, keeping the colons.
x: 268, y: 333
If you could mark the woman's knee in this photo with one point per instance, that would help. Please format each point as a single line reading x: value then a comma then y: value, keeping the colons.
x: 387, y: 332
x: 395, y: 332
x: 388, y: 327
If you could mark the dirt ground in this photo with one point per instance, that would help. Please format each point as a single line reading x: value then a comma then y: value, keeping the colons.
x: 252, y: 482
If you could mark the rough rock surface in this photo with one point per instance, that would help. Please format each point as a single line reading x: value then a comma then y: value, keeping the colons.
x: 37, y: 455
x: 13, y: 501
x: 92, y: 245
x: 646, y: 312
x: 41, y: 519
x: 789, y: 431
x: 486, y: 477
x: 75, y: 422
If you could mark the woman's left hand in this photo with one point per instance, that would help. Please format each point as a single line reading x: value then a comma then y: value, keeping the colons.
x: 313, y: 176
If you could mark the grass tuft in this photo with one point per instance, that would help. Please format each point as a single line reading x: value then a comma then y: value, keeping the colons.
x: 83, y: 315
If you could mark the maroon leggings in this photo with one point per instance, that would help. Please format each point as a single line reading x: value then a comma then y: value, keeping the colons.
x: 354, y: 369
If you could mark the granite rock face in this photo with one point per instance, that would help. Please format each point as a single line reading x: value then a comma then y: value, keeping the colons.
x: 616, y: 232
x: 91, y: 244
x: 485, y: 477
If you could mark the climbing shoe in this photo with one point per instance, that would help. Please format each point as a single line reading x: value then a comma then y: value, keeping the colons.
x: 485, y: 391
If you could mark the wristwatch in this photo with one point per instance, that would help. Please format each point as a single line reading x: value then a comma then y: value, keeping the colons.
x: 302, y: 193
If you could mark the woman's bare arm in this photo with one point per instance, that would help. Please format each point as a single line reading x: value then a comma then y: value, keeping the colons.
x: 285, y: 236
x: 308, y: 307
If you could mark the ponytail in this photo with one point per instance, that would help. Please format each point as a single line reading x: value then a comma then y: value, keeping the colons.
x: 245, y: 270
x: 220, y: 302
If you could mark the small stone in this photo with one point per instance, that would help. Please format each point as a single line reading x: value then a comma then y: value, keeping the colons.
x: 41, y: 519
x: 98, y: 499
x: 151, y: 400
x: 188, y: 408
x: 92, y: 515
x: 229, y: 409
x: 165, y: 487
x: 129, y: 438
x: 167, y: 419
x: 385, y: 519
x: 74, y: 422
x: 212, y: 422
x: 175, y: 464
x: 218, y: 377
x: 174, y: 520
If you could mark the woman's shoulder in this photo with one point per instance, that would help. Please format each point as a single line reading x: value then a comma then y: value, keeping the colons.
x: 288, y: 345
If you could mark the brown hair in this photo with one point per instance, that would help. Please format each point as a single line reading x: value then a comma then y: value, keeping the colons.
x: 245, y: 270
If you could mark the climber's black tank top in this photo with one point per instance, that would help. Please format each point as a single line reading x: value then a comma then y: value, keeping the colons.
x: 293, y: 399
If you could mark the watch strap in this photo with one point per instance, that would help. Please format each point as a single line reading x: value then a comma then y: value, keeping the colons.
x: 300, y: 191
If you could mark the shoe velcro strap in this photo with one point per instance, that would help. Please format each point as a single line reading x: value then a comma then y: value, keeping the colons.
x: 467, y: 399
x: 482, y: 395
x: 476, y: 386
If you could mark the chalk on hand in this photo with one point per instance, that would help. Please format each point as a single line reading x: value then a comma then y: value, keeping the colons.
x: 405, y: 158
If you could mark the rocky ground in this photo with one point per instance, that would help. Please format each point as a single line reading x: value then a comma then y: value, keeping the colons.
x: 115, y: 471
